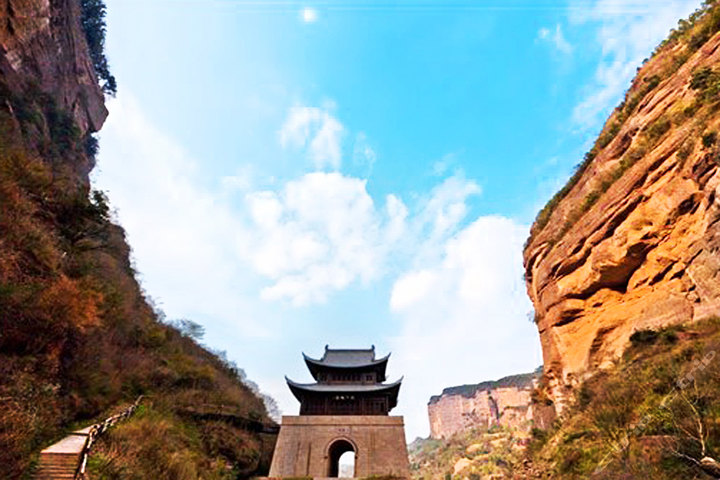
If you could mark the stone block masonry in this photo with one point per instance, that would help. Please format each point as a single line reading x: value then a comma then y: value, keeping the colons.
x: 305, y: 444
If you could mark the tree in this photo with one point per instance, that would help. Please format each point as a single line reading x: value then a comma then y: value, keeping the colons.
x: 190, y: 329
x: 93, y: 24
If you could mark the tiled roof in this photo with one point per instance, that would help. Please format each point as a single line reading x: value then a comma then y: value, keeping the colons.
x: 347, y: 358
x: 343, y: 387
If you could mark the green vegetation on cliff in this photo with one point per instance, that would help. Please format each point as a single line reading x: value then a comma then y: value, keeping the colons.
x: 670, y: 55
x: 473, y: 454
x: 656, y: 414
x: 93, y: 24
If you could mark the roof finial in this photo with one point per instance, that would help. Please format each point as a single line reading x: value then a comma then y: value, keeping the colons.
x: 373, y: 347
x: 327, y: 347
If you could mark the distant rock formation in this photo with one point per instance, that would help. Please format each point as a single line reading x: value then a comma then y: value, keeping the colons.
x: 505, y: 402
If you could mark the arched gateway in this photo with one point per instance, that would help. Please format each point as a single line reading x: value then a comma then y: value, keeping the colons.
x: 346, y: 410
x: 337, y: 449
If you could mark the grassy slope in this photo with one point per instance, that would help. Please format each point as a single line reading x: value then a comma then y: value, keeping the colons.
x: 651, y: 416
x: 484, y: 452
x: 77, y: 334
x: 648, y: 417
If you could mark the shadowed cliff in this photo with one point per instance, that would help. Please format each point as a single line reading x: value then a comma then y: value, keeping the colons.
x: 78, y: 336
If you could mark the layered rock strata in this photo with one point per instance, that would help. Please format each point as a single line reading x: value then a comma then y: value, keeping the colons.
x: 633, y: 244
x: 42, y: 41
x: 506, y: 402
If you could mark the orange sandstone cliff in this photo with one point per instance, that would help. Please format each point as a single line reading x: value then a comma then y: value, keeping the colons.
x: 632, y: 242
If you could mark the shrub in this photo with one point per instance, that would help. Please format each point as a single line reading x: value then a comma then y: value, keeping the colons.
x: 644, y: 337
x: 657, y: 129
x: 590, y: 200
x: 685, y: 150
x: 584, y: 396
x: 709, y: 139
x: 91, y: 146
x: 93, y: 24
x: 608, y: 135
x: 707, y: 83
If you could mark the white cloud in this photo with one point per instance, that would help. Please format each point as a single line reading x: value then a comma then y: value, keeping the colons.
x: 309, y: 15
x: 410, y: 289
x: 323, y: 231
x: 627, y: 35
x: 319, y: 234
x: 241, y: 181
x: 446, y: 206
x: 363, y: 153
x: 464, y: 315
x: 315, y: 130
x: 308, y: 238
x: 182, y: 234
x: 556, y: 38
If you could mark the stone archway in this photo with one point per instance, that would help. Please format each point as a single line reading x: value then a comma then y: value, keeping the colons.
x: 335, y: 450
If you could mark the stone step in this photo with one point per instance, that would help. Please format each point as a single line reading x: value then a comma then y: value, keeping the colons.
x: 60, y: 461
x: 42, y: 474
x: 57, y: 465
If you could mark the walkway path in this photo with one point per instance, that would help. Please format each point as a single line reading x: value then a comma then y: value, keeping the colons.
x: 67, y: 458
x: 61, y: 460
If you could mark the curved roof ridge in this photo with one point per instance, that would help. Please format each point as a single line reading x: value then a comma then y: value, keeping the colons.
x: 322, y: 361
x: 343, y: 385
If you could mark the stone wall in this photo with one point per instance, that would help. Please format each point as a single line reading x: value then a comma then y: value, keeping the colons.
x: 304, y: 442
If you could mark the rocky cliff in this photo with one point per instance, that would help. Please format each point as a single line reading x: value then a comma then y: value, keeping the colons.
x: 505, y: 402
x: 43, y: 44
x: 43, y: 48
x: 631, y: 242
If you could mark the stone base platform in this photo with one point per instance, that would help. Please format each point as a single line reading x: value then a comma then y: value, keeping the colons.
x: 309, y: 446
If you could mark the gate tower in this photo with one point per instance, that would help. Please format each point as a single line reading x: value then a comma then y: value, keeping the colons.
x: 346, y: 410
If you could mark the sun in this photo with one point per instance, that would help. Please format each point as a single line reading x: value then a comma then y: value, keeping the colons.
x: 309, y: 15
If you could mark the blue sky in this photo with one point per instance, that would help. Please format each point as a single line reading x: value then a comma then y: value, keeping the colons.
x: 298, y: 174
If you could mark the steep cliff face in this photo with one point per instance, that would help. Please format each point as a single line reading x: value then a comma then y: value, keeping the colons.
x: 632, y: 241
x: 77, y: 335
x: 43, y: 46
x: 505, y: 402
x: 44, y: 57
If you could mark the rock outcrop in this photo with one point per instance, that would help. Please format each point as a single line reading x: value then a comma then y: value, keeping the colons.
x: 632, y: 242
x: 42, y: 43
x: 505, y: 402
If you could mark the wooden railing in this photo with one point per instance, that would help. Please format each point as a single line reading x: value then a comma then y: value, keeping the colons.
x: 97, y: 430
